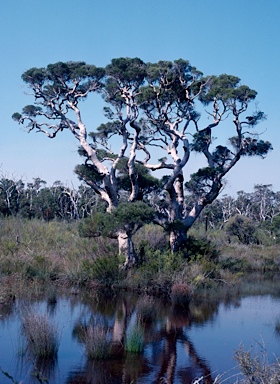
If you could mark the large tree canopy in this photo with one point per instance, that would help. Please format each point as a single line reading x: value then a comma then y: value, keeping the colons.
x: 165, y: 110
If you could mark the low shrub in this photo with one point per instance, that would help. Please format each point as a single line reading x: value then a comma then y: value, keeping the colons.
x: 243, y: 228
x: 157, y: 261
x: 150, y: 238
x: 201, y: 247
x: 102, y: 269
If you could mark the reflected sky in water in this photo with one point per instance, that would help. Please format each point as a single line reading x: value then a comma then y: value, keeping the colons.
x: 249, y: 322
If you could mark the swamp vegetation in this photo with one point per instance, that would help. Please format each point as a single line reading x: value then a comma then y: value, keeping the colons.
x: 42, y: 260
x: 56, y: 253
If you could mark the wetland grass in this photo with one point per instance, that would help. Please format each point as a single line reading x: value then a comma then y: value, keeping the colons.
x: 41, y: 336
x: 95, y: 339
x: 134, y: 340
x: 146, y: 311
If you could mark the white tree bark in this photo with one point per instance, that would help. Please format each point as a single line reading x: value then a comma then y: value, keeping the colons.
x: 126, y: 248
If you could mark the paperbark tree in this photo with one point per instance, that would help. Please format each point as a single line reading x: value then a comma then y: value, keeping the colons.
x: 153, y: 109
x: 170, y: 102
x: 58, y: 90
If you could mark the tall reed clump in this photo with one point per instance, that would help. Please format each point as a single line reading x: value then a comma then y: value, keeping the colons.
x: 134, y: 340
x: 95, y: 339
x: 40, y: 334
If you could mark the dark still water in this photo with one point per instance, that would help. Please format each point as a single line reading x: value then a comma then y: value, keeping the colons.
x: 177, y: 345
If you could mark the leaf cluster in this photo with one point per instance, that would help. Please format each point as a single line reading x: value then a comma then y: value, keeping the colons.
x: 131, y: 216
x: 170, y: 83
x: 201, y: 180
x: 127, y: 70
x: 62, y: 72
x: 127, y: 216
x: 255, y: 118
x: 251, y: 146
x: 221, y: 155
x: 146, y: 182
x: 226, y: 88
x: 201, y: 140
x: 88, y: 173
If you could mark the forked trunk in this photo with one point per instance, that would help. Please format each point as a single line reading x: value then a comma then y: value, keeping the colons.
x: 126, y: 249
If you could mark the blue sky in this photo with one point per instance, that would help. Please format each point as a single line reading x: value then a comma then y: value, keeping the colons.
x: 238, y: 37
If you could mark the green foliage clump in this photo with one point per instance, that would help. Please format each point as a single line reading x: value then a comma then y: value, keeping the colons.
x: 127, y: 216
x: 150, y: 238
x: 272, y: 229
x: 235, y: 264
x: 128, y: 70
x: 157, y: 271
x: 252, y: 146
x: 134, y: 340
x: 243, y: 228
x: 40, y: 268
x: 201, y: 248
x: 102, y: 269
x: 164, y: 262
x: 132, y: 216
x: 95, y: 225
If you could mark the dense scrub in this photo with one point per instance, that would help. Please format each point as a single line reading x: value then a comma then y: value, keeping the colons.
x: 35, y: 251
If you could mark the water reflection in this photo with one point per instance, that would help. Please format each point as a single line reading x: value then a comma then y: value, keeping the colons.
x: 172, y: 351
x: 162, y: 336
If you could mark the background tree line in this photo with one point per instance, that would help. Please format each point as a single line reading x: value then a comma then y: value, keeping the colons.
x: 37, y: 200
x: 241, y: 216
x: 244, y: 215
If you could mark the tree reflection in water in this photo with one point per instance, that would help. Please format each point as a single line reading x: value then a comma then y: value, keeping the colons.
x: 165, y: 342
x: 169, y: 354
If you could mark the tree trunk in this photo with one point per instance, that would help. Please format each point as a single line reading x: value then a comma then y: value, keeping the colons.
x: 126, y: 249
x: 177, y: 239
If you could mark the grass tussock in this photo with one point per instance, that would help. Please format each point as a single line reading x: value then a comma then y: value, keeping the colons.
x: 41, y: 336
x: 134, y: 340
x: 252, y: 369
x: 257, y: 369
x: 97, y: 345
x: 146, y: 310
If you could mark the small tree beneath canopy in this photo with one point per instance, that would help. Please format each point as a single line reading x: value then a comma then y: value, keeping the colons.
x: 153, y: 110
